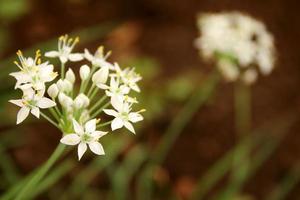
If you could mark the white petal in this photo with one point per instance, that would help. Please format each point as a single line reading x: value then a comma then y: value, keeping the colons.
x: 45, y: 103
x: 88, y: 55
x: 77, y: 128
x: 22, y: 114
x: 110, y: 112
x: 35, y: 111
x: 90, y: 126
x: 63, y: 59
x: 129, y: 126
x: 96, y: 148
x: 75, y: 57
x: 135, y: 117
x: 102, y: 86
x: 17, y: 102
x: 117, y: 123
x: 116, y: 102
x: 98, y: 134
x: 81, y: 150
x: 70, y: 139
x: 52, y: 54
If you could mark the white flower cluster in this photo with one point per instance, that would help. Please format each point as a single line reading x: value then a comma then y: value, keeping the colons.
x: 76, y: 111
x: 239, y: 43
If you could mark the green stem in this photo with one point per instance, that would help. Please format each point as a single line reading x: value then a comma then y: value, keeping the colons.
x: 62, y: 71
x: 104, y: 124
x: 37, y: 177
x: 90, y: 90
x: 50, y: 120
x: 100, y: 110
x: 86, y: 82
x: 98, y: 103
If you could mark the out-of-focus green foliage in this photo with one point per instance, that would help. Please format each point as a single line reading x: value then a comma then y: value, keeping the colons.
x: 11, y: 10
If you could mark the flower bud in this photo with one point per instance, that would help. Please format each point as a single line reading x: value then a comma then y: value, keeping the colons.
x: 81, y: 101
x: 64, y: 85
x: 53, y: 91
x: 65, y: 101
x: 101, y: 75
x: 84, y: 72
x: 70, y: 76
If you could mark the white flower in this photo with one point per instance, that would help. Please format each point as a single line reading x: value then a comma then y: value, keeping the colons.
x: 123, y: 115
x: 31, y: 102
x: 85, y: 136
x: 98, y: 59
x: 84, y: 72
x: 239, y: 36
x: 33, y: 73
x: 115, y: 89
x: 65, y: 47
x: 53, y: 91
x: 128, y: 76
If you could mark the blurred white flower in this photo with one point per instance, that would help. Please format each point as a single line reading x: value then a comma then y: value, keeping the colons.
x: 85, y: 136
x: 64, y: 52
x: 115, y: 89
x: 101, y: 76
x: 53, y: 91
x: 31, y: 102
x: 240, y: 39
x: 81, y: 101
x: 70, y: 76
x: 123, y: 115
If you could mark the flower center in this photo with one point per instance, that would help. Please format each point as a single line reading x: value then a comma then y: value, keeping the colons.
x: 86, y: 137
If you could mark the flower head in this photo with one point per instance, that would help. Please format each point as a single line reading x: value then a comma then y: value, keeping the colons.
x: 85, y: 136
x: 98, y: 59
x: 64, y: 52
x: 237, y: 38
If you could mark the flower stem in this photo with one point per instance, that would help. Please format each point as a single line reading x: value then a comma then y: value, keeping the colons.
x: 98, y: 103
x: 38, y: 176
x: 62, y: 70
x: 50, y: 120
x: 100, y: 109
x: 104, y: 124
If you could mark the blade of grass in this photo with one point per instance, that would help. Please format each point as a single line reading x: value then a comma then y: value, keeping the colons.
x: 125, y: 172
x: 218, y: 170
x: 286, y: 185
x: 173, y: 131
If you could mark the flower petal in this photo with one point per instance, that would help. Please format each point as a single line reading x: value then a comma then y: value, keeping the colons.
x: 17, y: 102
x: 75, y: 57
x: 35, y: 111
x: 77, y: 128
x: 116, y: 102
x: 110, y: 112
x: 90, y: 126
x: 117, y: 123
x: 81, y: 150
x: 22, y: 114
x: 45, y: 103
x: 135, y: 117
x: 96, y: 148
x: 70, y: 139
x: 98, y: 134
x: 129, y: 126
x: 52, y: 54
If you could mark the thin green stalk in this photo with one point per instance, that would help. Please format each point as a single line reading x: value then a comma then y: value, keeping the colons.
x: 90, y: 90
x: 98, y: 103
x: 37, y: 177
x: 287, y: 184
x: 50, y: 120
x: 62, y: 71
x: 242, y: 103
x: 100, y: 110
x: 176, y: 127
x: 94, y: 93
x: 104, y: 124
x: 54, y: 114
